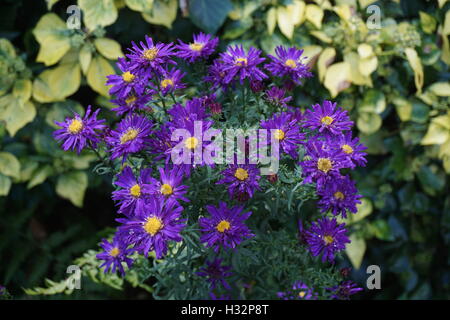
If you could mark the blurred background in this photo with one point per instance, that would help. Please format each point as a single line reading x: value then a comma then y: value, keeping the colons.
x: 387, y: 62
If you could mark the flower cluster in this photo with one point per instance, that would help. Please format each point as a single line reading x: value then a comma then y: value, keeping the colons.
x: 169, y: 98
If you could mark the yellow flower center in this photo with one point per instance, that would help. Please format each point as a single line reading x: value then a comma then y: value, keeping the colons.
x: 150, y: 54
x: 339, y: 195
x: 290, y: 63
x: 301, y: 294
x: 327, y: 120
x: 153, y: 225
x: 324, y: 164
x: 196, y: 46
x: 135, y: 191
x: 166, y: 82
x: 75, y: 126
x: 166, y: 189
x: 278, y: 134
x: 130, y: 100
x: 128, y: 76
x: 347, y: 149
x: 241, y: 174
x: 240, y: 62
x: 191, y: 143
x: 129, y: 135
x: 328, y: 240
x: 223, y: 226
x: 114, y: 252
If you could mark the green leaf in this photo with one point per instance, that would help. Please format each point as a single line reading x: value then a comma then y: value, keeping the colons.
x: 209, y: 15
x: 163, y: 13
x: 416, y: 65
x: 39, y: 176
x: 98, y: 13
x: 85, y: 57
x: 237, y: 28
x: 427, y: 22
x: 140, y: 5
x: 374, y: 101
x: 314, y: 14
x: 271, y: 20
x: 72, y: 186
x: 403, y: 108
x: 22, y: 90
x: 369, y: 122
x: 437, y: 132
x: 96, y: 76
x: 5, y: 185
x: 109, y: 48
x: 355, y: 250
x: 337, y: 78
x: 52, y: 34
x: 64, y: 80
x: 9, y: 165
x: 15, y: 114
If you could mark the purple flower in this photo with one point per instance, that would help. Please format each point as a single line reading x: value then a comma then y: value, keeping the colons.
x: 150, y: 56
x: 216, y: 273
x: 133, y: 103
x: 132, y: 195
x: 128, y: 83
x: 326, y: 237
x: 339, y: 195
x: 300, y: 291
x: 213, y: 296
x: 344, y: 290
x: 241, y: 180
x: 352, y: 148
x: 288, y: 62
x: 131, y: 136
x: 327, y: 118
x: 152, y: 228
x: 193, y: 111
x: 202, y: 47
x: 216, y: 75
x: 114, y: 255
x: 76, y: 132
x: 171, y: 81
x: 286, y: 131
x: 295, y: 113
x: 225, y: 228
x: 169, y: 184
x: 322, y: 163
x: 237, y: 64
x: 275, y: 96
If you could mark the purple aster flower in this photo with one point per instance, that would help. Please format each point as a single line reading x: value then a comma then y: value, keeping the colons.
x: 131, y: 136
x: 169, y: 184
x: 171, y: 81
x: 78, y: 131
x: 339, y: 195
x: 202, y: 47
x: 241, y: 180
x: 344, y: 290
x: 352, y: 148
x: 322, y: 163
x: 216, y: 273
x: 300, y: 291
x: 286, y: 131
x: 295, y: 113
x: 132, y: 195
x: 150, y: 56
x: 114, y: 255
x: 152, y: 228
x: 193, y: 111
x: 133, y: 103
x: 239, y: 64
x: 225, y: 228
x: 216, y: 75
x: 256, y: 86
x: 326, y: 237
x: 127, y: 83
x: 327, y: 118
x: 275, y: 96
x: 288, y: 62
